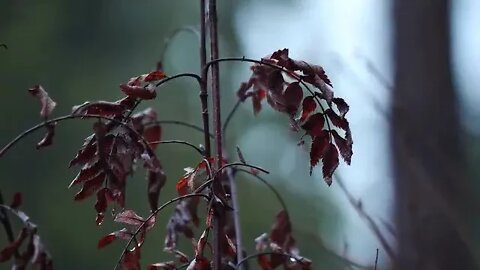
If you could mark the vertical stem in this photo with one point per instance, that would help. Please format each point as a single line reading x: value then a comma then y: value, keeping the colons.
x: 217, y: 123
x: 6, y: 223
x: 203, y: 90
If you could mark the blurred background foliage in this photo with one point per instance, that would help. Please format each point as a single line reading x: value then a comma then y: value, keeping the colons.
x: 82, y: 50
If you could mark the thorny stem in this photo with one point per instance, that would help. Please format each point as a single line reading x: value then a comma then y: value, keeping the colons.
x: 371, y: 223
x: 292, y: 74
x: 153, y: 214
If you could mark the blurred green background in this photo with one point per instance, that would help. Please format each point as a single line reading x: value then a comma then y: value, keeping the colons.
x: 82, y: 50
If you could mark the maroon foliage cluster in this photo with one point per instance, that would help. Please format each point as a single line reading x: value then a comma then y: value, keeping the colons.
x: 279, y: 79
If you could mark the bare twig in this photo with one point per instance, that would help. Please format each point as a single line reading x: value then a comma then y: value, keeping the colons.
x: 200, y: 151
x: 376, y: 260
x: 153, y: 214
x: 300, y: 260
x: 179, y: 123
x: 370, y: 222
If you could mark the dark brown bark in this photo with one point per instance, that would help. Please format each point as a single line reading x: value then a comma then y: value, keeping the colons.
x: 432, y: 194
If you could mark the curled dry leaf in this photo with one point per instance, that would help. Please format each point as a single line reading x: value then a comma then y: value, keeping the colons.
x: 47, y: 104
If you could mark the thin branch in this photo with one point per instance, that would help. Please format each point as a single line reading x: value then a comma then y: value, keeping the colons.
x: 191, y: 75
x: 300, y: 260
x: 68, y: 117
x: 153, y: 214
x: 200, y: 151
x: 167, y: 41
x: 234, y: 164
x: 230, y: 115
x: 179, y: 123
x: 376, y: 260
x: 370, y: 222
x: 270, y: 186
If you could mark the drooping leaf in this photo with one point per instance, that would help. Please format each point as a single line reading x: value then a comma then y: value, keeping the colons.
x: 317, y: 151
x: 342, y: 106
x: 48, y: 137
x: 103, y: 108
x: 47, y: 104
x: 344, y: 147
x: 155, y: 76
x: 264, y: 262
x: 156, y: 180
x: 129, y: 217
x: 106, y: 240
x: 17, y: 200
x: 337, y: 120
x: 131, y: 260
x: 308, y: 106
x: 90, y: 187
x: 293, y: 95
x: 141, y: 92
x: 330, y: 163
x: 314, y: 125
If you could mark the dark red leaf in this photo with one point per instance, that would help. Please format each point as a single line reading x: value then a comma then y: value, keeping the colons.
x: 342, y: 106
x: 106, y: 240
x: 162, y: 266
x: 244, y: 87
x: 103, y: 108
x: 281, y: 229
x: 90, y: 187
x: 16, y: 201
x: 156, y: 180
x: 140, y: 92
x: 257, y: 98
x: 182, y: 186
x: 337, y: 120
x: 319, y: 146
x: 264, y: 262
x: 48, y: 138
x: 314, y: 125
x: 129, y: 217
x: 200, y: 263
x: 155, y: 76
x: 308, y: 106
x: 101, y: 204
x: 47, y: 104
x: 131, y: 260
x: 86, y: 153
x: 330, y: 163
x: 293, y: 97
x: 9, y: 250
x: 87, y: 172
x: 153, y: 134
x: 345, y: 148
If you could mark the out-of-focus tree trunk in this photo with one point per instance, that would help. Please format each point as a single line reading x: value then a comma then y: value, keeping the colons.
x: 432, y: 192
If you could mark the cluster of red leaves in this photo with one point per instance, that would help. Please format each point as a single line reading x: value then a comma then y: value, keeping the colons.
x: 34, y: 252
x: 282, y: 245
x: 133, y: 222
x: 268, y: 82
x: 110, y: 154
